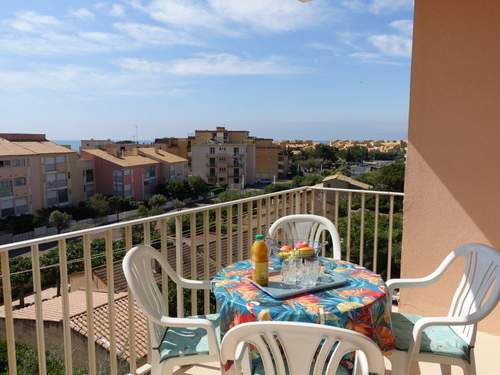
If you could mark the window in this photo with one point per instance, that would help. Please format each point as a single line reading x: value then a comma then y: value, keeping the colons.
x: 127, y: 190
x: 236, y: 151
x: 6, y: 208
x: 212, y: 161
x: 212, y: 150
x: 88, y: 175
x: 52, y: 198
x: 62, y: 195
x: 5, y: 188
x: 61, y: 180
x: 236, y: 171
x: 60, y: 159
x: 21, y: 206
x: 50, y: 164
x: 51, y: 180
x: 4, y: 163
x: 19, y: 163
x: 236, y: 180
x: 149, y: 173
x: 20, y: 181
x: 212, y: 172
x: 126, y: 172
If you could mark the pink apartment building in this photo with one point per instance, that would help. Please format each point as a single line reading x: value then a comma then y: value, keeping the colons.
x: 133, y: 172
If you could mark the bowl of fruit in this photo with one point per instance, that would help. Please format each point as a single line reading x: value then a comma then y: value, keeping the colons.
x: 290, y: 249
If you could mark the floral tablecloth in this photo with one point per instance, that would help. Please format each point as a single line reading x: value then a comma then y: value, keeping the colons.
x: 360, y: 304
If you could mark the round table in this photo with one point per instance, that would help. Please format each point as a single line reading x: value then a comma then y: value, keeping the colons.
x: 360, y: 304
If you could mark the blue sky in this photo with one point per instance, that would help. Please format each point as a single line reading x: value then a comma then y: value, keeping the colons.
x: 280, y: 68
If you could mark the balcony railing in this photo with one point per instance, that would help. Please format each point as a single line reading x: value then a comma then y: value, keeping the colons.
x: 198, y: 242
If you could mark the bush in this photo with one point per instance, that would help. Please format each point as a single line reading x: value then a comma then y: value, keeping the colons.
x: 27, y: 361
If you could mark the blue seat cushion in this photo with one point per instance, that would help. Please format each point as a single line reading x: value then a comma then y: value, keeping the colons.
x: 438, y: 340
x: 180, y: 341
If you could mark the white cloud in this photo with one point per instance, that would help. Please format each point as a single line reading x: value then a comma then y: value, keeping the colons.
x: 372, y: 58
x: 379, y: 6
x: 147, y: 34
x: 100, y: 37
x: 392, y: 44
x: 117, y: 10
x: 403, y: 26
x: 223, y: 64
x: 396, y: 44
x: 84, y: 82
x: 83, y: 14
x: 27, y: 21
x: 271, y: 15
x: 324, y: 47
x: 234, y: 17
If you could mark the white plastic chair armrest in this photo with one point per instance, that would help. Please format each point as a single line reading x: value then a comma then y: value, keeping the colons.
x: 194, y: 284
x: 205, y: 324
x: 420, y: 282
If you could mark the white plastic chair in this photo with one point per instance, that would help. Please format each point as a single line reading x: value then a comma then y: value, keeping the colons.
x: 476, y: 296
x: 176, y: 341
x: 306, y: 227
x: 300, y: 348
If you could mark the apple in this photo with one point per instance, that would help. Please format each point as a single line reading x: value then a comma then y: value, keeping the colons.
x: 301, y: 244
x: 286, y: 248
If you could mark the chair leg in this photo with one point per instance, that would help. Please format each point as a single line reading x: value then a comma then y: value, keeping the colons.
x: 414, y: 368
x: 470, y: 369
x: 399, y: 362
x: 445, y: 369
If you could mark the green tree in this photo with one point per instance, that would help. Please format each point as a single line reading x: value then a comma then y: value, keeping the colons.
x: 326, y: 152
x: 198, y: 186
x: 388, y: 178
x: 99, y: 204
x: 157, y: 200
x: 142, y: 211
x: 21, y: 276
x: 60, y: 220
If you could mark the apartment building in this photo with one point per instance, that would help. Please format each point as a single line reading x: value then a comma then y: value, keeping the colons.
x: 177, y: 146
x: 133, y: 172
x: 229, y: 157
x: 271, y: 161
x: 36, y: 173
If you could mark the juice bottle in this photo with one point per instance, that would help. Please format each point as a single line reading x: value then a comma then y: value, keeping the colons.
x: 260, y: 258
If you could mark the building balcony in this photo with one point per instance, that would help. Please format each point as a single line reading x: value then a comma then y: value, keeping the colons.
x: 93, y: 325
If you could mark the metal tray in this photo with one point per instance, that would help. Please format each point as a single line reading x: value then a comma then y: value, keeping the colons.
x: 279, y: 290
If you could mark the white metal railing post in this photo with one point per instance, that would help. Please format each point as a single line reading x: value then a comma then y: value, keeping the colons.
x: 375, y: 232
x: 63, y: 274
x: 89, y: 290
x: 194, y: 275
x: 108, y: 240
x: 178, y: 264
x: 9, y: 321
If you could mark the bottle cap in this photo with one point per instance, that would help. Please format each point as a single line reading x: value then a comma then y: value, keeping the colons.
x: 259, y: 237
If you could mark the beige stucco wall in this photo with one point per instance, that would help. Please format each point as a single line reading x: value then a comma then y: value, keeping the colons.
x: 453, y: 180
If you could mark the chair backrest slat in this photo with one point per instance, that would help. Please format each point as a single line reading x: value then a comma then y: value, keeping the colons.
x: 306, y: 227
x: 302, y: 348
x: 479, y: 290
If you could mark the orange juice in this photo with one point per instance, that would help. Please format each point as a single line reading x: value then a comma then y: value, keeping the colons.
x: 260, y: 259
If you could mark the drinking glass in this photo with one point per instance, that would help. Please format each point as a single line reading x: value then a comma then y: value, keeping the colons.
x: 311, y: 270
